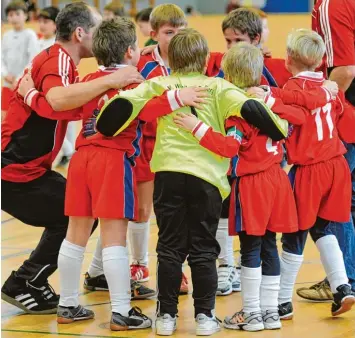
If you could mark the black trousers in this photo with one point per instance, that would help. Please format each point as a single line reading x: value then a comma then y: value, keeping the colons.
x: 39, y: 203
x: 187, y: 209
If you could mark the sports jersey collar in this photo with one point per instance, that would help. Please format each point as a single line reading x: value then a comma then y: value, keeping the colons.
x: 111, y: 68
x: 157, y: 58
x: 307, y: 75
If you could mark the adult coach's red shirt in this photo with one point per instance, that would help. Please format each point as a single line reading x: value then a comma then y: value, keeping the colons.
x: 31, y: 139
x: 334, y: 21
x: 317, y: 139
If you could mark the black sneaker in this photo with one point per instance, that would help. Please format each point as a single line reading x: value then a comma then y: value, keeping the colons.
x: 344, y: 300
x: 135, y: 320
x: 64, y: 161
x: 99, y: 283
x: 286, y: 311
x: 67, y: 315
x: 139, y: 291
x: 20, y: 293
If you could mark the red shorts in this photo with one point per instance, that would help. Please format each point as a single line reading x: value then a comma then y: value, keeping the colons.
x: 6, y: 94
x: 262, y: 201
x: 323, y: 189
x: 142, y: 167
x: 101, y: 184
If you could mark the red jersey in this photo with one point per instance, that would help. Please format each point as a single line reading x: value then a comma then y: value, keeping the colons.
x: 334, y: 21
x: 129, y: 140
x: 317, y: 139
x: 31, y: 138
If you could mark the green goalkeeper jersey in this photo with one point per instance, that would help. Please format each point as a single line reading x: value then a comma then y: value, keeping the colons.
x: 178, y: 150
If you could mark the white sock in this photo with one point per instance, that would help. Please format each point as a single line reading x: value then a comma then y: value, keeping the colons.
x: 226, y: 257
x: 96, y: 268
x: 251, y: 280
x: 70, y: 260
x: 290, y: 265
x: 138, y: 234
x: 333, y: 261
x: 269, y: 292
x: 117, y: 272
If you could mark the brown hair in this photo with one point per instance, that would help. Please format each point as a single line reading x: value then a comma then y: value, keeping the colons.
x: 15, y: 6
x: 167, y: 14
x: 188, y: 51
x: 245, y: 20
x: 112, y: 39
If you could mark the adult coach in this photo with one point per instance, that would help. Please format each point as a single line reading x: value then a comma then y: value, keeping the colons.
x: 334, y: 20
x: 31, y: 139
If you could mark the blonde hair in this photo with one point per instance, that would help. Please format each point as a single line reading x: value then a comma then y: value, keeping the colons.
x: 167, y: 14
x: 243, y: 65
x: 306, y: 48
x: 188, y: 52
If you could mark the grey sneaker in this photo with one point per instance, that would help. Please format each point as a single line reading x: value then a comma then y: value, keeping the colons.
x: 206, y: 326
x: 226, y: 275
x: 165, y: 325
x: 135, y: 320
x: 271, y: 320
x: 236, y: 284
x: 244, y: 321
x: 67, y: 315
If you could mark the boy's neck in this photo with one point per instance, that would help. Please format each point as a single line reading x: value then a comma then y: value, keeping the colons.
x: 19, y: 28
x: 164, y: 57
x: 296, y: 70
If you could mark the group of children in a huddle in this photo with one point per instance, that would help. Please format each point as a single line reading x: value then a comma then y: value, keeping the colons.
x: 187, y: 155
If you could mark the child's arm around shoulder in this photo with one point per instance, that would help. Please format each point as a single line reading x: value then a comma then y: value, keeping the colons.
x: 225, y: 146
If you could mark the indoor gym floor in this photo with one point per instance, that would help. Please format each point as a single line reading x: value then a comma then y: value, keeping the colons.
x: 18, y: 240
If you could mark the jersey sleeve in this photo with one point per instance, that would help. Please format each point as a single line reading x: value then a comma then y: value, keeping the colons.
x: 225, y: 146
x: 311, y: 99
x: 337, y: 25
x: 38, y: 103
x: 161, y: 105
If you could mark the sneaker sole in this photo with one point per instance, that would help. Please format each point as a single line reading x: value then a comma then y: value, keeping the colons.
x: 225, y: 293
x: 16, y: 303
x: 141, y: 280
x: 237, y: 289
x: 140, y: 297
x: 93, y: 288
x: 346, y: 306
x: 63, y: 320
x: 273, y: 326
x: 289, y: 316
x: 200, y: 332
x: 164, y: 332
x: 246, y: 327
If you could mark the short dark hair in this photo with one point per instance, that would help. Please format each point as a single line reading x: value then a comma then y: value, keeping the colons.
x: 15, y: 6
x: 247, y: 21
x: 112, y: 39
x: 144, y: 15
x: 72, y: 16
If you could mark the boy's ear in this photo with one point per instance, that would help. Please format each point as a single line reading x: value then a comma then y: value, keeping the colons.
x: 257, y: 40
x: 129, y: 52
x: 153, y: 35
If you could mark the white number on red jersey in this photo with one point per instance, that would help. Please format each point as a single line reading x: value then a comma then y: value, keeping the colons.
x: 272, y: 146
x: 323, y: 117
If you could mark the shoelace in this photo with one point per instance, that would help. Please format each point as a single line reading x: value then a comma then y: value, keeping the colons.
x: 136, y: 311
x: 43, y: 289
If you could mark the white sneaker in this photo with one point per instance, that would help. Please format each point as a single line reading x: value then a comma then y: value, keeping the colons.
x: 226, y: 275
x: 206, y: 326
x: 236, y: 284
x: 165, y: 325
x: 271, y: 320
x: 244, y: 321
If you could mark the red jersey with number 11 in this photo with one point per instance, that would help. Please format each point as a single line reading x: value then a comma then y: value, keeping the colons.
x: 317, y: 139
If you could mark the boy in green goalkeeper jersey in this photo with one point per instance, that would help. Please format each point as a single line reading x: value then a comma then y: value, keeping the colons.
x: 190, y: 181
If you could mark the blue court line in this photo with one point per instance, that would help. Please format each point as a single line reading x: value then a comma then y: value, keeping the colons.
x: 7, y: 220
